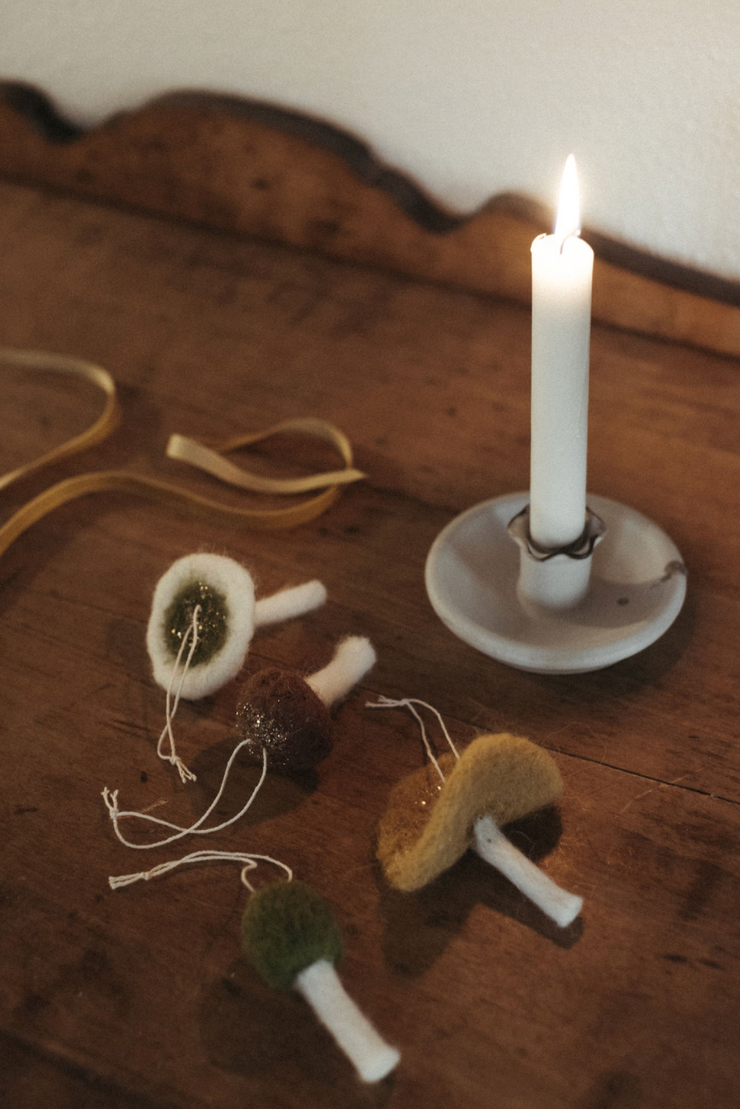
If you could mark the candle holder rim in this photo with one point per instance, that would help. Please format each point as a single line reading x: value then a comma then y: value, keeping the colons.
x: 471, y: 577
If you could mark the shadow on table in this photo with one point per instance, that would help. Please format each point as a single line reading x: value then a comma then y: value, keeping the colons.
x: 280, y: 793
x: 272, y: 1038
x: 419, y: 926
x: 613, y: 1090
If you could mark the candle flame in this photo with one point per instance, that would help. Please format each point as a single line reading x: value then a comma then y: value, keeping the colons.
x: 568, y: 219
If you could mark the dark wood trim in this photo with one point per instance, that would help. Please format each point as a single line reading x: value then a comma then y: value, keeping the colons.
x: 284, y: 175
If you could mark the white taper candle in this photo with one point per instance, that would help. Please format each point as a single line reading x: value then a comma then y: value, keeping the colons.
x: 562, y: 266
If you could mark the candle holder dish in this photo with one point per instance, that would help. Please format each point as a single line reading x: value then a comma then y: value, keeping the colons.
x: 498, y: 593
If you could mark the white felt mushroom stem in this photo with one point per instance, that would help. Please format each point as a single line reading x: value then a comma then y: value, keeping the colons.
x: 353, y: 658
x: 372, y: 1057
x: 288, y: 603
x: 493, y: 846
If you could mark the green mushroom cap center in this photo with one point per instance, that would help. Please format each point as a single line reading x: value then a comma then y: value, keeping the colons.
x: 211, y: 622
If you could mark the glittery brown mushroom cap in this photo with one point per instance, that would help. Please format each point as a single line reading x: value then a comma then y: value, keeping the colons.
x: 279, y: 712
x: 428, y: 824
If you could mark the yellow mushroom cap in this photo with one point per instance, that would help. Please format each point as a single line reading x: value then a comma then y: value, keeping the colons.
x: 428, y: 824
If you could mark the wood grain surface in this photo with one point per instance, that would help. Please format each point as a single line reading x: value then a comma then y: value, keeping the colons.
x: 244, y: 166
x: 138, y: 998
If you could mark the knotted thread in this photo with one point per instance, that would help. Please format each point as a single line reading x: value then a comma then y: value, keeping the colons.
x: 250, y: 860
x: 116, y: 815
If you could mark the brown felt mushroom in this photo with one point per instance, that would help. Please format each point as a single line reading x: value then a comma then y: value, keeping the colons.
x: 284, y: 721
x: 435, y: 815
x: 288, y: 716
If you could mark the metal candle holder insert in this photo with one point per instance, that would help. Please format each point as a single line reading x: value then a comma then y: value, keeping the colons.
x: 556, y: 578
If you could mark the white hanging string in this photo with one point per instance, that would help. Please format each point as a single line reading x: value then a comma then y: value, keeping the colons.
x: 116, y: 814
x: 410, y: 703
x: 173, y: 758
x: 250, y: 860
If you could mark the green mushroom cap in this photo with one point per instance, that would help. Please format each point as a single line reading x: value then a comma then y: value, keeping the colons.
x: 212, y: 620
x: 286, y: 928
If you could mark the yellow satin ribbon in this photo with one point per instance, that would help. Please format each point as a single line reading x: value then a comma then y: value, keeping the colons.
x: 58, y: 363
x: 204, y: 455
x: 208, y: 455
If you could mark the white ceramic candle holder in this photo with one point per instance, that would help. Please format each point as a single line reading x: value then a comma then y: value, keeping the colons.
x: 561, y: 612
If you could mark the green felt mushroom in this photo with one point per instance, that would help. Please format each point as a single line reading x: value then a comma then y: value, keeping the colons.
x: 292, y: 939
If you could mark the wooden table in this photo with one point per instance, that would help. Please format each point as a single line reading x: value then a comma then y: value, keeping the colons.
x: 139, y: 997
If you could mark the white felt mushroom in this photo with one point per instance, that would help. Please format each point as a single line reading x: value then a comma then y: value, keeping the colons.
x: 223, y: 593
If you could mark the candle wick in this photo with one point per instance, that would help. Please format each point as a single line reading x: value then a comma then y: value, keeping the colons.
x: 575, y: 234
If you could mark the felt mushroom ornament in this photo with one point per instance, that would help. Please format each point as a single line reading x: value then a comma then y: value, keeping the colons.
x: 204, y: 614
x: 462, y: 801
x: 288, y: 716
x: 291, y: 937
x: 217, y: 638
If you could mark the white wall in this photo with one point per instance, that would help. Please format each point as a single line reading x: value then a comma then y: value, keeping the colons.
x: 471, y: 97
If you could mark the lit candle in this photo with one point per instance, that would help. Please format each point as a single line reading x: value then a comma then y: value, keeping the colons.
x: 562, y: 266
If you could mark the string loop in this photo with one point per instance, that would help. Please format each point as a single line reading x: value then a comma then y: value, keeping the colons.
x: 251, y: 862
x: 111, y: 801
x: 173, y: 758
x: 410, y: 702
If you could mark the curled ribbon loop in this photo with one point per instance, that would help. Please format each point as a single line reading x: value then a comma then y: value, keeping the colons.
x: 58, y: 363
x: 207, y: 456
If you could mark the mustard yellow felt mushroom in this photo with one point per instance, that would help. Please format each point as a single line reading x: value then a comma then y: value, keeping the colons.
x: 462, y: 801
